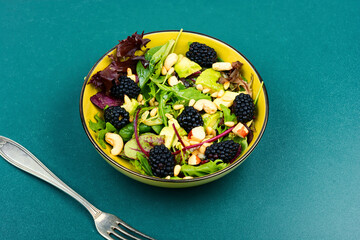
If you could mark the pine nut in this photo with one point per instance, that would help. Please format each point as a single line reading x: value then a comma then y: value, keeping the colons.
x: 220, y: 93
x: 206, y: 90
x: 229, y: 124
x: 151, y: 102
x: 169, y: 116
x: 153, y: 112
x: 215, y: 94
x: 167, y: 177
x: 140, y: 98
x: 199, y: 87
x: 129, y: 72
x: 192, y: 142
x: 178, y: 106
x: 172, y: 81
x: 226, y: 85
x: 170, y: 71
x: 156, y: 103
x: 222, y: 66
x: 163, y: 70
x: 188, y: 177
x: 192, y: 102
x: 177, y: 169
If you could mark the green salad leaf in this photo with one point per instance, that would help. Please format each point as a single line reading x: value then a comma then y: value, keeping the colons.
x: 145, y: 166
x: 101, y: 135
x: 144, y: 73
x: 127, y: 132
x: 181, y: 92
x: 157, y: 60
x: 98, y: 125
x: 228, y: 116
x: 204, y: 169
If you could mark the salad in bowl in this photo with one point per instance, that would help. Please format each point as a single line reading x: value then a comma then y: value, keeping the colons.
x: 173, y: 109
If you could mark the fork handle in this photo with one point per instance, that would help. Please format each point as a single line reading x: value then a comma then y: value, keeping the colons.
x: 21, y: 158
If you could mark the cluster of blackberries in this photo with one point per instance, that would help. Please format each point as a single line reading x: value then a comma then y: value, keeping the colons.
x: 202, y: 54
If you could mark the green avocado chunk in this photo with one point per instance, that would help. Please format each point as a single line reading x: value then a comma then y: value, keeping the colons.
x: 185, y: 67
x: 208, y: 79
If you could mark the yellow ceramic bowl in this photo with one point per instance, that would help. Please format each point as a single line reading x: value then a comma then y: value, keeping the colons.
x: 225, y: 52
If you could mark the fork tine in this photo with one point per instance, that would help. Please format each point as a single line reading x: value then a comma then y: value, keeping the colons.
x: 122, y: 223
x: 117, y: 235
x: 126, y: 233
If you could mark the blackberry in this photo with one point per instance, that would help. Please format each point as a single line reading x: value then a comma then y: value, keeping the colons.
x: 117, y: 116
x: 225, y: 151
x: 126, y: 86
x: 190, y: 118
x: 162, y: 161
x: 244, y: 107
x: 202, y: 54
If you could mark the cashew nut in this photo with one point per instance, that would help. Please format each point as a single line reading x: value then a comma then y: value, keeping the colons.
x: 206, y: 105
x: 116, y: 141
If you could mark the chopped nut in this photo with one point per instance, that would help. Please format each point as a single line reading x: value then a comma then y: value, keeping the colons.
x: 206, y: 90
x: 163, y: 70
x: 191, y: 102
x: 172, y: 81
x: 178, y: 106
x: 171, y: 71
x: 215, y: 94
x: 220, y: 93
x: 140, y: 98
x: 154, y: 112
x: 199, y: 87
x: 177, y: 169
x: 229, y: 124
x: 188, y: 177
x: 222, y: 66
x: 169, y: 116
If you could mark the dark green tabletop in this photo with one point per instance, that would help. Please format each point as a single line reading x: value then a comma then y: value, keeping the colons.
x: 301, y: 182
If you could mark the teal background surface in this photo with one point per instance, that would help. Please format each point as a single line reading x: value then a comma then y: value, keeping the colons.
x: 302, y: 180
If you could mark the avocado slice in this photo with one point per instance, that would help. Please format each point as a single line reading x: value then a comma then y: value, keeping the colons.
x: 208, y: 79
x: 185, y: 67
x: 130, y: 105
x: 211, y: 120
x: 169, y: 134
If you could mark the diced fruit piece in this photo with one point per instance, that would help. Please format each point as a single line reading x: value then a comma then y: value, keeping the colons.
x: 208, y: 79
x: 194, y: 160
x: 185, y: 67
x: 240, y: 130
x: 197, y: 134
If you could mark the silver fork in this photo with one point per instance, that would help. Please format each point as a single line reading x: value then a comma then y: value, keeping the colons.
x: 108, y: 225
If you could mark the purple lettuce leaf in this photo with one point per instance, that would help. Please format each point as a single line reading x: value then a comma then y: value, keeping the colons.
x: 101, y: 100
x: 128, y: 46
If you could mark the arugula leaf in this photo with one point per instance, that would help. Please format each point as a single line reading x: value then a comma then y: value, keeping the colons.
x: 158, y: 59
x: 184, y: 93
x: 142, y: 72
x: 144, y: 164
x: 136, y: 163
x: 228, y: 116
x: 101, y: 135
x: 204, y: 169
x: 98, y: 125
x: 162, y: 98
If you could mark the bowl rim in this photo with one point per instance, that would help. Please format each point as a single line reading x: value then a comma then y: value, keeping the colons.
x: 155, y: 179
